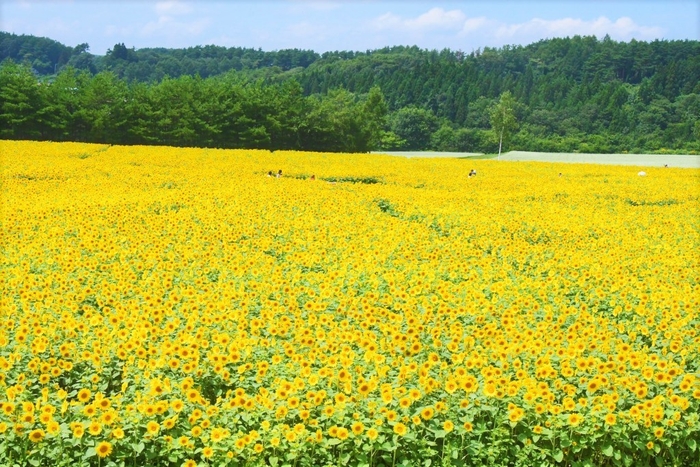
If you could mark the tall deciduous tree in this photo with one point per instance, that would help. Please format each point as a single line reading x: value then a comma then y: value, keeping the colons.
x: 503, y: 119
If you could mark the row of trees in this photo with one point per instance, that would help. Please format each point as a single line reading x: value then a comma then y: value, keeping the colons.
x: 233, y: 111
x: 573, y: 94
x: 554, y: 73
x: 224, y: 111
x: 46, y: 57
x: 558, y: 71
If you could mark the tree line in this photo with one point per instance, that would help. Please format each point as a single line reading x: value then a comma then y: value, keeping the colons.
x: 224, y: 111
x: 571, y: 94
x: 574, y: 94
x: 47, y: 56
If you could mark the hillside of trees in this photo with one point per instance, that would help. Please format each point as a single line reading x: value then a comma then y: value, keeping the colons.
x: 47, y: 56
x: 577, y: 94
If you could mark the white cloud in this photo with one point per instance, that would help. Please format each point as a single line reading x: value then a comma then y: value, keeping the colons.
x: 474, y: 24
x: 169, y: 26
x: 172, y: 7
x: 118, y: 31
x: 174, y: 21
x: 455, y: 25
x: 386, y: 21
x: 223, y: 40
x: 435, y: 18
x: 302, y: 6
x: 622, y: 29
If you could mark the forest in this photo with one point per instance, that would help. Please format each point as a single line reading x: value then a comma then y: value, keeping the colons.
x: 578, y: 94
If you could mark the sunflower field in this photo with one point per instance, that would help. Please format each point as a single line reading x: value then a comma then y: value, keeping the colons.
x: 181, y: 307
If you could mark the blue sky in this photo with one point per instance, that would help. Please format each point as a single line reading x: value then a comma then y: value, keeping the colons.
x: 344, y: 24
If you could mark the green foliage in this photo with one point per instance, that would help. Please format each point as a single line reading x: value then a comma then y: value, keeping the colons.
x: 224, y: 111
x: 363, y: 180
x: 390, y: 141
x: 335, y: 124
x: 388, y: 207
x: 502, y: 117
x: 449, y: 139
x: 20, y: 101
x: 40, y: 53
x: 415, y: 126
x: 576, y: 94
x: 662, y: 202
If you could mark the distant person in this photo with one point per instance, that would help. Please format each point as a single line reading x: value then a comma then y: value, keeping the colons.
x: 642, y: 173
x: 666, y: 165
x: 269, y: 174
x: 560, y: 174
x: 472, y: 173
x: 279, y: 174
x: 313, y: 177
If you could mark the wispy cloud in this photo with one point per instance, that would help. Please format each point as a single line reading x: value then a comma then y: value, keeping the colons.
x: 435, y: 18
x: 51, y: 27
x: 113, y: 30
x: 174, y: 18
x: 172, y: 7
x: 456, y: 23
x: 324, y: 25
x: 168, y: 25
x: 474, y: 24
x: 302, y: 6
x: 621, y: 29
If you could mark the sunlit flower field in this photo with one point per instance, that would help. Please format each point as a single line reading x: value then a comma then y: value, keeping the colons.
x: 166, y: 306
